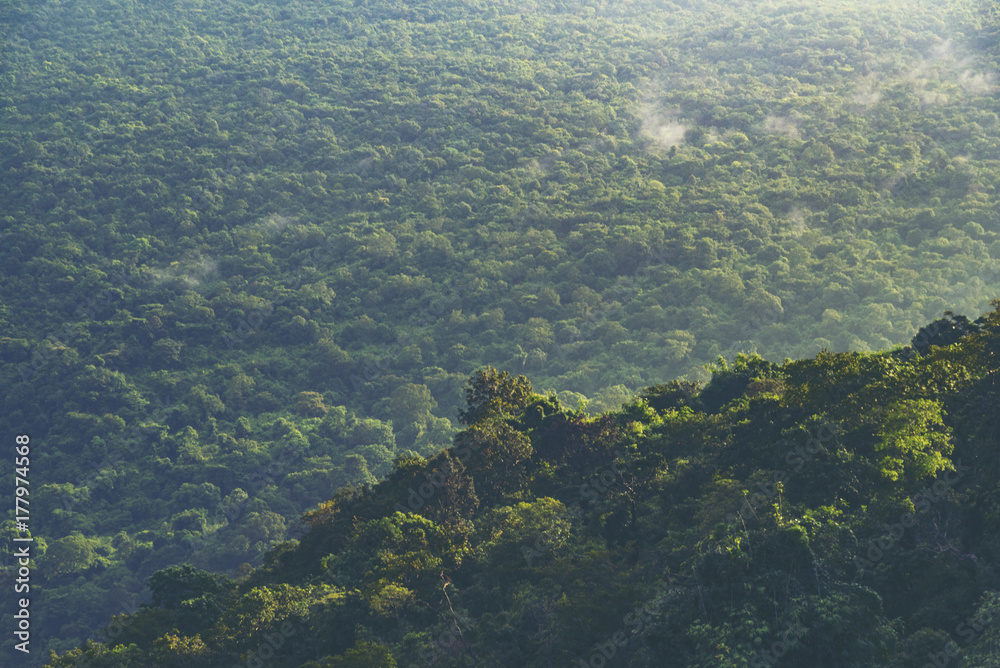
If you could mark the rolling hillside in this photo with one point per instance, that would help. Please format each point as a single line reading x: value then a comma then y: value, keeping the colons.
x: 250, y: 254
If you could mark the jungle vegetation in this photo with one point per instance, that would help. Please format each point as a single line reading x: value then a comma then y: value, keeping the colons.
x: 251, y: 252
x: 836, y: 511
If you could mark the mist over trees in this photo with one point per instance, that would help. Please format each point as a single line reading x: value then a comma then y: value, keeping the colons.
x: 252, y: 253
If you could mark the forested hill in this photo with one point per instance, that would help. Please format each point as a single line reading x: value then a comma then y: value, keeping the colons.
x: 600, y: 195
x: 839, y: 511
x: 250, y: 253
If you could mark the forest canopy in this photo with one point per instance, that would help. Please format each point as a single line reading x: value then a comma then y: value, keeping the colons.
x: 833, y: 511
x: 251, y: 254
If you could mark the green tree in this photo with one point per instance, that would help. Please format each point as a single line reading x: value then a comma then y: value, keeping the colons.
x: 913, y: 439
x: 410, y: 403
x: 70, y: 554
x: 363, y: 655
x: 174, y: 585
x: 496, y: 455
x: 310, y: 404
x: 491, y: 392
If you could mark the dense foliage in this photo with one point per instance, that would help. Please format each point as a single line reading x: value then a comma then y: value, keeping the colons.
x: 251, y: 252
x: 835, y: 511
